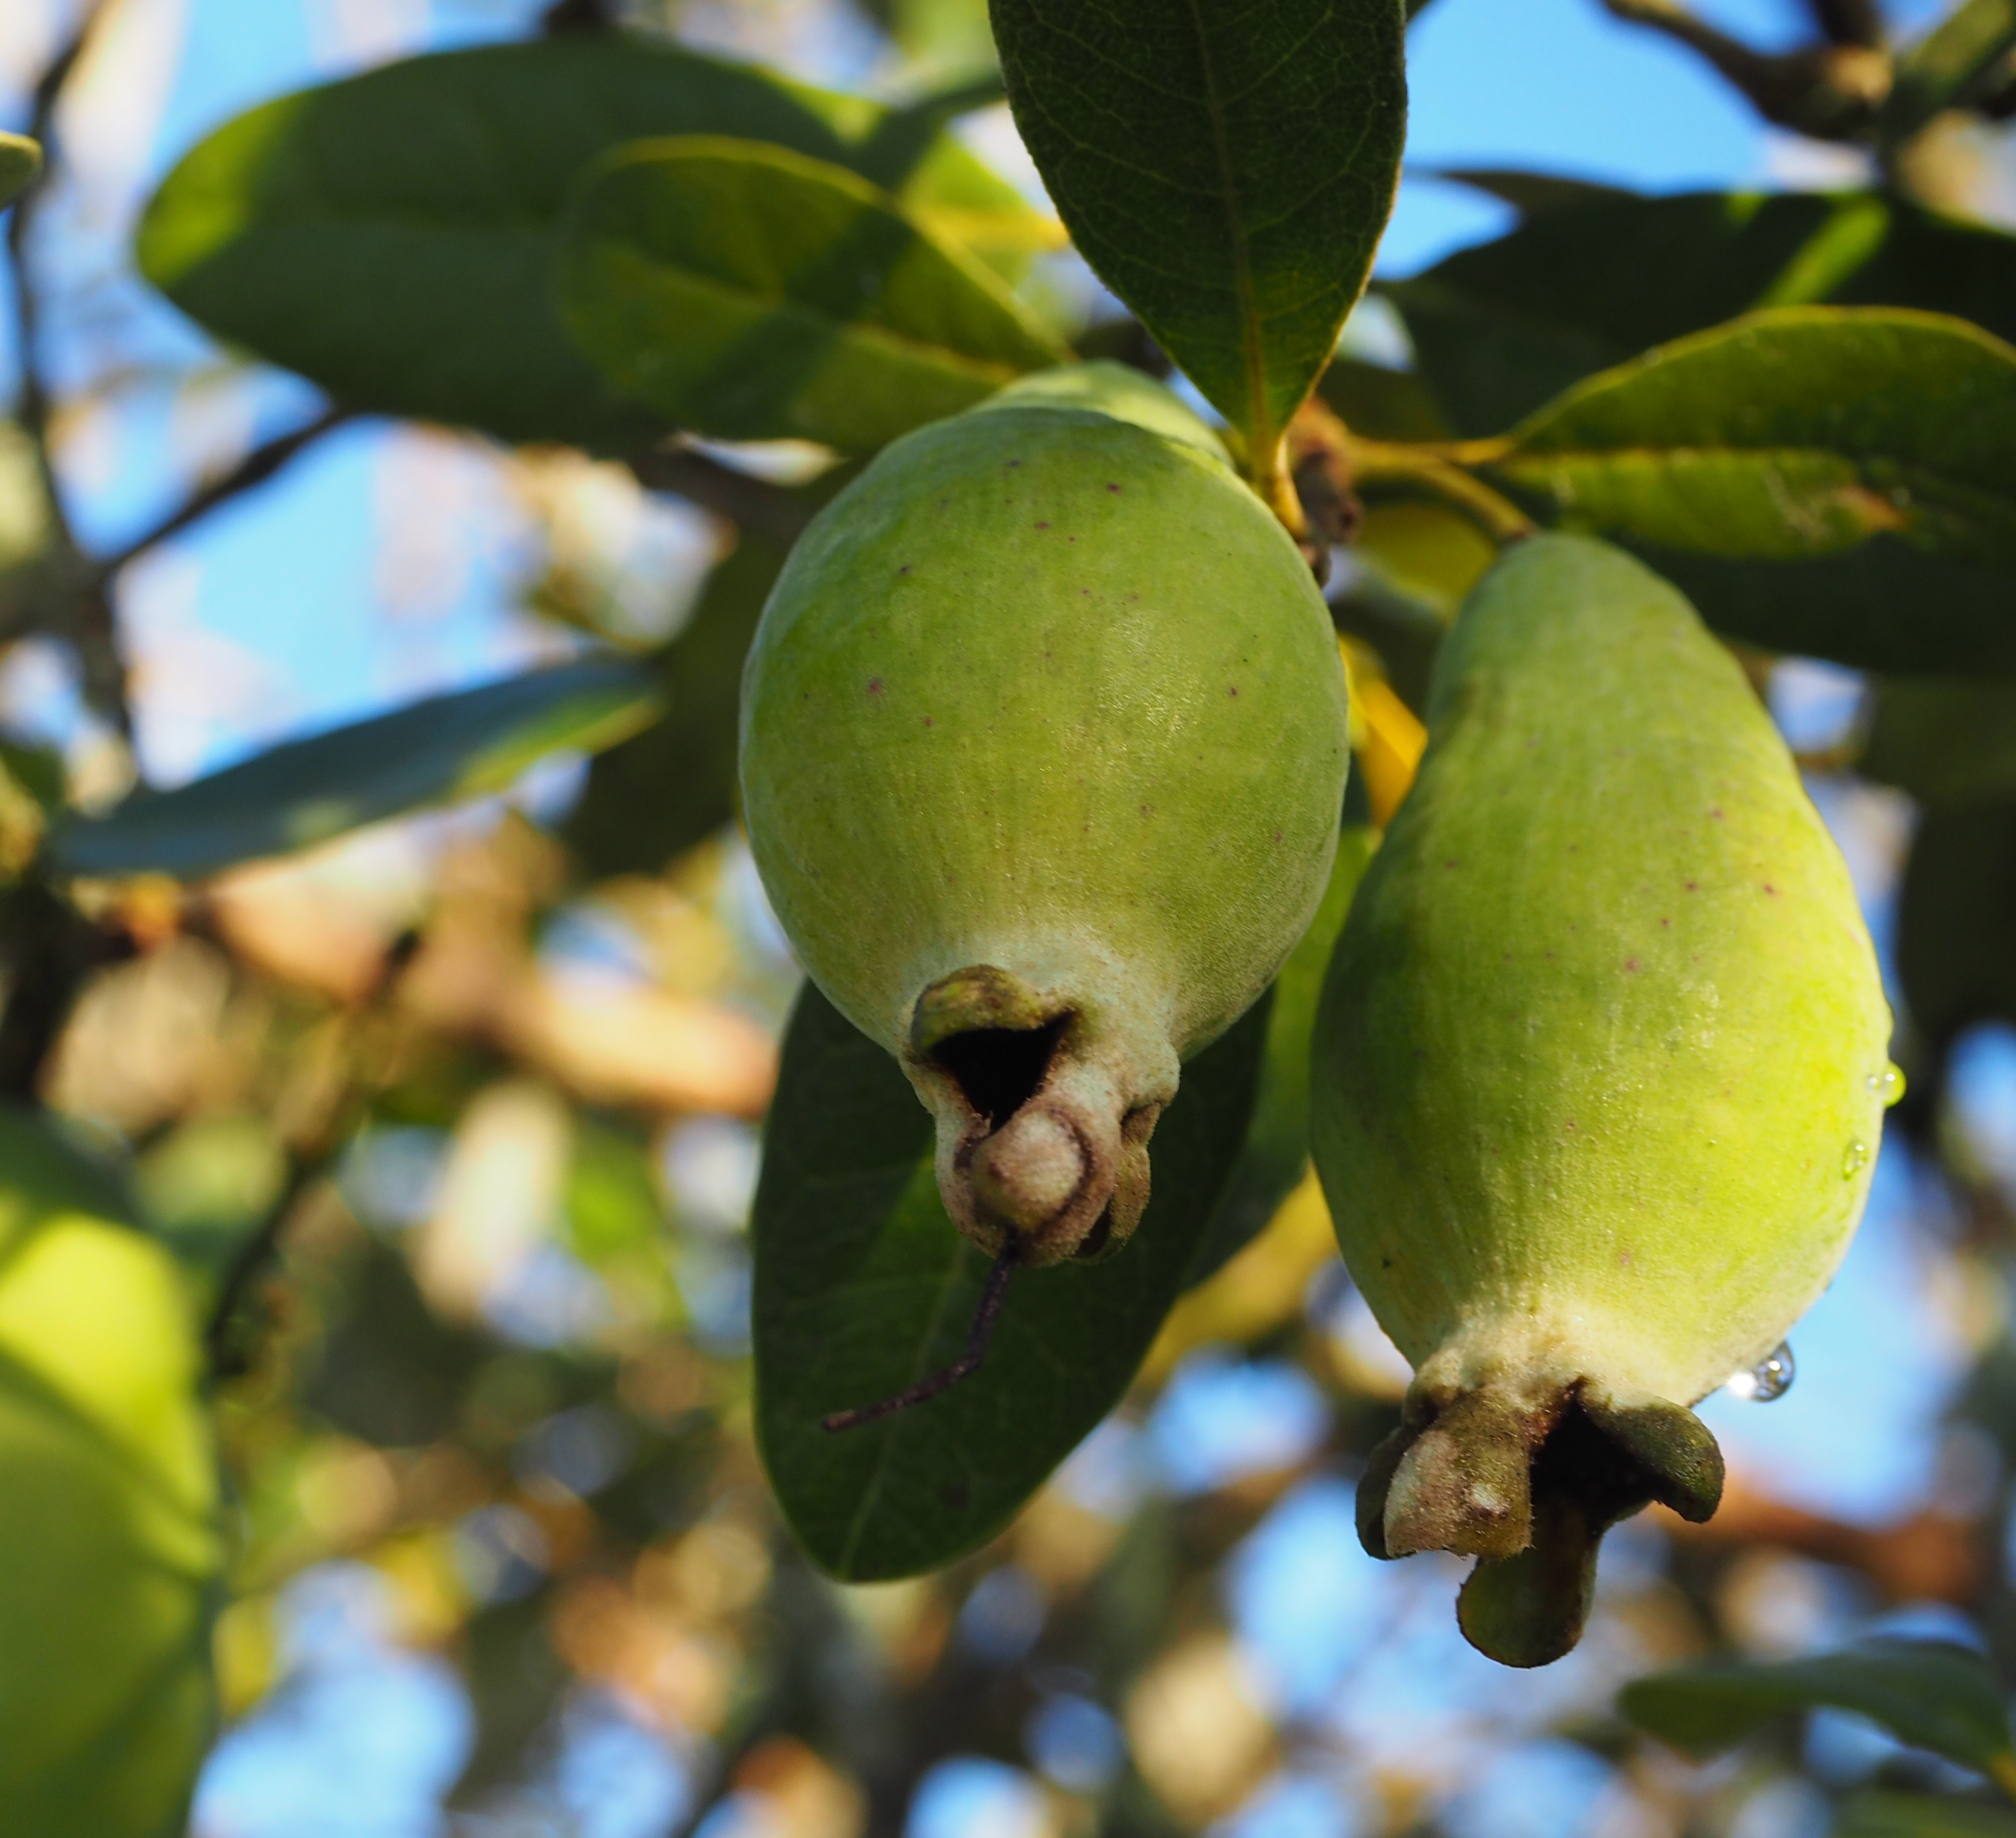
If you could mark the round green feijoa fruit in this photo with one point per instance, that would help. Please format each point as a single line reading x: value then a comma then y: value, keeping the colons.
x: 1043, y: 753
x: 1599, y: 1068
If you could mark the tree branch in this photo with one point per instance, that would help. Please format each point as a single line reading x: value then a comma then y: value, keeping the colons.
x: 94, y: 631
x: 1849, y: 22
x: 777, y: 513
x: 1828, y: 92
x: 255, y: 469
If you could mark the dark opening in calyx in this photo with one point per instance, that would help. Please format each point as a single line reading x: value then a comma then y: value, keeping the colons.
x: 1528, y: 1484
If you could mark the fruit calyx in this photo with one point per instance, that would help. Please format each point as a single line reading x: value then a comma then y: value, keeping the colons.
x: 1038, y: 1139
x: 1527, y: 1480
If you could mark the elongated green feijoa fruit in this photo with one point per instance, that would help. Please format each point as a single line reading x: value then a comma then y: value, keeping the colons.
x: 1043, y: 751
x: 1600, y: 1068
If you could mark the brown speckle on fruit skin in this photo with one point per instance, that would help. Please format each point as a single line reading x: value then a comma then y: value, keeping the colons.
x: 1631, y: 964
x: 1111, y: 486
x: 1042, y: 524
x: 875, y: 685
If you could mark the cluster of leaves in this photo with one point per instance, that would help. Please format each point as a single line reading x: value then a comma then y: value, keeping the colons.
x: 1802, y: 409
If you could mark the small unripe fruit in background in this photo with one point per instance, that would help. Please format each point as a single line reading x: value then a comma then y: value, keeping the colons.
x: 1043, y: 753
x: 1600, y: 1067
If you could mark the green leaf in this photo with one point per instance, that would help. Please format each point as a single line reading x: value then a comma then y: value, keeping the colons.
x: 1382, y: 405
x: 465, y: 745
x: 1929, y: 1694
x: 1227, y: 171
x: 1837, y: 482
x: 1277, y: 1141
x: 863, y: 1286
x: 390, y: 236
x: 1500, y: 329
x: 20, y: 160
x: 1913, y: 1815
x: 751, y: 293
x: 1955, y: 913
x: 1943, y: 67
x: 109, y: 1549
x: 1946, y: 740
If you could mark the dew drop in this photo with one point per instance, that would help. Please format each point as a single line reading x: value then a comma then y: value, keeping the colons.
x: 1890, y: 1085
x: 1770, y: 1377
x: 1854, y: 1159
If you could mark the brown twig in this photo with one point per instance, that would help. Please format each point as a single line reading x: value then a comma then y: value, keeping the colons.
x: 49, y: 948
x: 1830, y: 91
x: 230, y: 1356
x: 978, y: 1339
x: 775, y: 512
x: 95, y: 633
x: 253, y: 470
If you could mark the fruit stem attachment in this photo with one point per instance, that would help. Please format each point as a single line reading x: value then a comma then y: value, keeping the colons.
x: 978, y: 1337
x: 1395, y: 462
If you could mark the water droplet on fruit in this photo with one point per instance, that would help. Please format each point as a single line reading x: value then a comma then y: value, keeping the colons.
x: 1854, y: 1159
x: 1893, y: 1085
x: 1770, y: 1377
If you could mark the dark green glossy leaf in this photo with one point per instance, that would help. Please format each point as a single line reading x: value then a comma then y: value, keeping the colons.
x: 1501, y: 329
x: 1944, y: 66
x: 863, y: 1286
x: 1928, y: 1693
x: 1227, y: 171
x: 20, y: 160
x: 750, y: 293
x: 390, y: 236
x: 1839, y: 483
x: 1277, y: 1141
x: 1382, y: 405
x: 1946, y: 740
x: 1914, y: 1815
x: 1956, y: 914
x: 658, y: 793
x: 465, y: 745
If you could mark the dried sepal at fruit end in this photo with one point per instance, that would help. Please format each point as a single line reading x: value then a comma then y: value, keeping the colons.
x: 1601, y: 1058
x: 1043, y: 751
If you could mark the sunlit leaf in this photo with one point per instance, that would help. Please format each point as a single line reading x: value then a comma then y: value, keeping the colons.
x: 1500, y: 329
x: 20, y: 160
x: 1837, y: 483
x: 749, y: 292
x: 1226, y: 171
x: 110, y: 1552
x: 863, y: 1286
x: 465, y: 745
x: 390, y: 236
x: 1929, y: 1694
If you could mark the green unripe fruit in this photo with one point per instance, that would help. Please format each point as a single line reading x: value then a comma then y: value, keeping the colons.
x: 1043, y: 751
x: 108, y: 1546
x: 1600, y: 1065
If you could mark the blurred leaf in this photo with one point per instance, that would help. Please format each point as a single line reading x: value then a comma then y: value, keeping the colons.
x: 1938, y: 71
x: 1912, y: 1815
x: 110, y: 1552
x: 1955, y: 912
x: 863, y: 1285
x: 659, y: 792
x: 516, y: 1681
x: 750, y: 293
x: 1928, y: 1694
x: 945, y: 35
x: 1531, y: 193
x: 1500, y: 329
x: 465, y: 745
x: 612, y: 1202
x: 387, y: 1370
x: 1840, y: 484
x: 1276, y: 1150
x: 1380, y: 404
x: 208, y: 1183
x: 390, y: 236
x: 1227, y: 173
x: 1944, y: 739
x: 20, y: 160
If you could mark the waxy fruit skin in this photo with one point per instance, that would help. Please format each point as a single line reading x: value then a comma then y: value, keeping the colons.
x: 1043, y: 751
x: 1600, y: 1073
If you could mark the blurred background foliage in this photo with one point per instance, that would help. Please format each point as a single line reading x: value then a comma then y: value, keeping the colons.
x: 416, y: 1168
